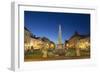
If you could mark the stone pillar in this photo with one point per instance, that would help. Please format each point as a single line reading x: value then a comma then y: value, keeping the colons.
x: 44, y: 53
x: 78, y: 51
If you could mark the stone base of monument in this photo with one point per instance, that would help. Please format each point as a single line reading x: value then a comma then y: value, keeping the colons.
x: 60, y: 46
x: 60, y: 50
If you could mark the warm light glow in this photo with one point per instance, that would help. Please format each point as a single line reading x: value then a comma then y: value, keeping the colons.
x: 83, y: 45
x: 27, y: 46
x: 47, y: 46
x: 67, y: 45
x: 52, y: 46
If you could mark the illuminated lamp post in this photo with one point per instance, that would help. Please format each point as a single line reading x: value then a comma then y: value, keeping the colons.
x: 44, y: 50
x: 78, y: 48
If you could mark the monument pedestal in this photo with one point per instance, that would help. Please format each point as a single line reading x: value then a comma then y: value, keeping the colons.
x: 60, y: 49
x: 59, y: 46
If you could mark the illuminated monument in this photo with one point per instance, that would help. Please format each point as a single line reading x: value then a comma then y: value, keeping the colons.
x: 60, y: 44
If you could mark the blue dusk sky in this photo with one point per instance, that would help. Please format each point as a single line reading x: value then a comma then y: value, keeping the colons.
x: 46, y: 24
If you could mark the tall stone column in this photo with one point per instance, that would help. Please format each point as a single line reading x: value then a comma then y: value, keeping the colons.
x: 60, y: 35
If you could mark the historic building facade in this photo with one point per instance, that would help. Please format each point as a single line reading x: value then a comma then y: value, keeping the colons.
x: 33, y: 42
x: 78, y: 41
